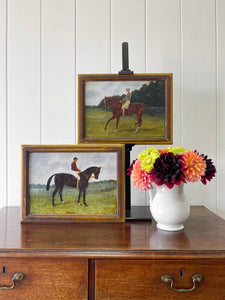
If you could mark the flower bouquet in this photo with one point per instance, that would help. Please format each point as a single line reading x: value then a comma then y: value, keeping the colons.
x: 170, y: 167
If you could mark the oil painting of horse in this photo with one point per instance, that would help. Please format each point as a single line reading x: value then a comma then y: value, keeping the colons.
x: 134, y: 108
x: 73, y: 183
x: 62, y: 179
x: 125, y: 108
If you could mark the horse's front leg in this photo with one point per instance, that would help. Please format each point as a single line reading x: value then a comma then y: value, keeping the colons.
x: 138, y: 123
x: 78, y: 201
x: 84, y: 195
x: 109, y: 121
x: 117, y: 123
x: 137, y: 129
x: 135, y: 124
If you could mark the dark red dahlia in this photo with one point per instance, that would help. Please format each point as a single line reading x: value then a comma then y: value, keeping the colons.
x: 130, y: 169
x: 210, y: 170
x: 168, y: 169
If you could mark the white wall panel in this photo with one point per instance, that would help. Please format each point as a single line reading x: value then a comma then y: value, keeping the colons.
x: 163, y: 44
x: 163, y: 51
x: 221, y: 106
x: 199, y: 87
x: 3, y: 103
x: 58, y: 71
x: 92, y: 36
x: 23, y: 62
x: 128, y: 25
x: 45, y: 44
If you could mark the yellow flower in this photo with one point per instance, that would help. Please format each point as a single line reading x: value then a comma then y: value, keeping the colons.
x: 177, y: 150
x: 147, y: 158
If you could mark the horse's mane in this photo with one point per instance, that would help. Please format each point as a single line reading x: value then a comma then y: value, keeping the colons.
x: 113, y: 100
x: 87, y: 172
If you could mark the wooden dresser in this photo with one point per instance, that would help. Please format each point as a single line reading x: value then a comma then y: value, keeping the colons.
x: 112, y: 261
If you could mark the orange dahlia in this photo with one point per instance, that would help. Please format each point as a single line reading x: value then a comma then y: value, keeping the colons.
x: 164, y: 150
x: 195, y: 166
x: 140, y: 177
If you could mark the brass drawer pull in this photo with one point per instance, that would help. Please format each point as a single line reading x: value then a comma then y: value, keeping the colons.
x: 16, y: 277
x: 169, y: 280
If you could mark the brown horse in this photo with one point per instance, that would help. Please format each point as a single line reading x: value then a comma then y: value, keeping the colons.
x: 62, y: 179
x: 134, y: 108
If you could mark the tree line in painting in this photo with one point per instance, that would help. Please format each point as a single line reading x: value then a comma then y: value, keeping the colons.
x: 152, y: 94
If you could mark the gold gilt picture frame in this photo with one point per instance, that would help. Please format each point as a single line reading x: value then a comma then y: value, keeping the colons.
x: 125, y: 108
x: 73, y: 183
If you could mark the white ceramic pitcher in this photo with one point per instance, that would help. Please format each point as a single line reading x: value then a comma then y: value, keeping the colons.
x: 169, y: 207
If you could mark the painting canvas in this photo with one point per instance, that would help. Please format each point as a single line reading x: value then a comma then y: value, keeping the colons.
x: 73, y: 183
x: 125, y: 108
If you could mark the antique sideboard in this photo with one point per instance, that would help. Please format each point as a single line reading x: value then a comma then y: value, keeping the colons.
x: 133, y: 260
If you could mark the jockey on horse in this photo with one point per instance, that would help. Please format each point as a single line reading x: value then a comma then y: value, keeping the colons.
x: 126, y: 101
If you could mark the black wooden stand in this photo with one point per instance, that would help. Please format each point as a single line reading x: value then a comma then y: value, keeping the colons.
x: 133, y: 213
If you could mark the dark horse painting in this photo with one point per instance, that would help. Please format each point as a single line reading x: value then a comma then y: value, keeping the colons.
x: 62, y: 179
x: 134, y: 108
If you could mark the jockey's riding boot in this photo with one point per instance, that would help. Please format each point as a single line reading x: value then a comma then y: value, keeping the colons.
x: 78, y: 182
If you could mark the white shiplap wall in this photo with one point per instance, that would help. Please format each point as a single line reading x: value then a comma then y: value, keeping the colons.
x: 44, y: 44
x: 3, y: 105
x: 220, y: 88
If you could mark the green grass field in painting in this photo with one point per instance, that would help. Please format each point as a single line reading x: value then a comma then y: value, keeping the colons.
x: 101, y: 200
x: 95, y: 120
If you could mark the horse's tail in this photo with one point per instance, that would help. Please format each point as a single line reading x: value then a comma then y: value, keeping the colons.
x: 48, y: 183
x: 149, y: 110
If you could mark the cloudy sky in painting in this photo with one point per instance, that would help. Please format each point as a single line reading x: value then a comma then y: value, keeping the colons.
x: 43, y: 165
x: 95, y: 91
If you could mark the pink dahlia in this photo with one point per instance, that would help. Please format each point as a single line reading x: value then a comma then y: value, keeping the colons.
x: 210, y: 170
x: 141, y: 178
x: 168, y: 170
x: 195, y: 166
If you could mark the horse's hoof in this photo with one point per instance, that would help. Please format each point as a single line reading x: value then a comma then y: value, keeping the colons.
x: 79, y: 204
x: 63, y: 202
x: 85, y: 204
x: 136, y: 131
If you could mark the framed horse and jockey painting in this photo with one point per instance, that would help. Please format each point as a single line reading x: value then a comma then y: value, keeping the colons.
x: 125, y: 108
x: 73, y: 183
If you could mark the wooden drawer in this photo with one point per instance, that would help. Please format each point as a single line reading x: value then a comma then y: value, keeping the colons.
x: 141, y: 279
x: 44, y: 279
